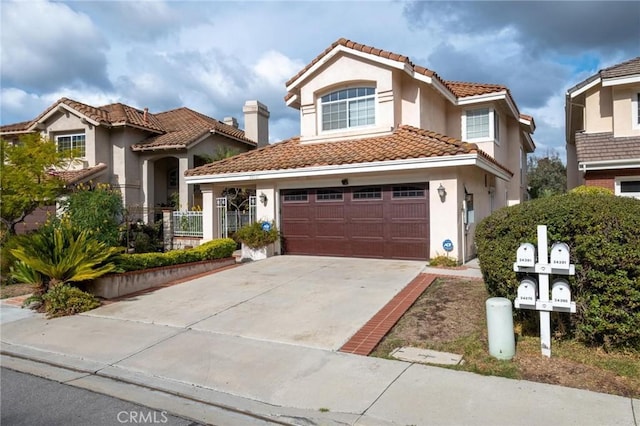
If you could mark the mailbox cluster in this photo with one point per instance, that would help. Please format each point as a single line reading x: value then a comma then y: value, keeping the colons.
x: 529, y: 296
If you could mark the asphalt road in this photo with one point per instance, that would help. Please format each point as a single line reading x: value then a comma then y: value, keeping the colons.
x: 33, y: 401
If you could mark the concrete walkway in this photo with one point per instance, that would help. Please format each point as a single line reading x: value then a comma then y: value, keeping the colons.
x: 215, y: 372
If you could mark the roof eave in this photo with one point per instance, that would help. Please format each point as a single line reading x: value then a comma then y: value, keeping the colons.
x: 627, y: 163
x: 472, y: 159
x: 617, y: 81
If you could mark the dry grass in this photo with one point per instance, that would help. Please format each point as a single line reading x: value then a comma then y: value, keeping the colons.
x: 450, y: 316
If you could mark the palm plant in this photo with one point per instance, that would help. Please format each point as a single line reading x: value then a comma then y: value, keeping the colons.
x: 63, y: 255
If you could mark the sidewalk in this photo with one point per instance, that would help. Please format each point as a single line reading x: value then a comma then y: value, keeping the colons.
x: 214, y: 376
x: 217, y: 379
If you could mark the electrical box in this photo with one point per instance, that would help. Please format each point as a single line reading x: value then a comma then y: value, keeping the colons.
x: 527, y: 292
x: 526, y: 255
x: 561, y: 294
x: 560, y: 256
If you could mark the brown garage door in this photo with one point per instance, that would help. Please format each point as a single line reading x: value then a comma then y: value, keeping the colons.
x: 383, y: 221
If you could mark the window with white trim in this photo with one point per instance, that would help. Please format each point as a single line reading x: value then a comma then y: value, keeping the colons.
x: 348, y: 108
x: 69, y: 142
x: 481, y: 124
x: 628, y: 186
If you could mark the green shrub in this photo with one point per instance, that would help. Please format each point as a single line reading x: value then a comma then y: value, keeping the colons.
x: 215, y: 249
x: 444, y: 261
x: 63, y: 299
x: 604, y: 239
x: 254, y: 236
x: 591, y: 190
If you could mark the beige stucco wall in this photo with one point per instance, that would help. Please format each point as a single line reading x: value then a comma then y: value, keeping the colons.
x: 342, y: 72
x: 433, y: 114
x: 66, y: 123
x: 598, y: 110
x: 623, y: 114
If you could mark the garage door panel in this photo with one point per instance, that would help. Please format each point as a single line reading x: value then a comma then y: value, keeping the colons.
x: 409, y: 210
x: 324, y: 211
x: 376, y: 221
x: 366, y: 210
x: 330, y: 229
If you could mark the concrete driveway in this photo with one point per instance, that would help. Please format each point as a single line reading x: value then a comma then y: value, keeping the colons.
x: 317, y: 302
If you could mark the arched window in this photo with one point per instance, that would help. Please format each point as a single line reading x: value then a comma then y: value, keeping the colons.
x: 347, y: 108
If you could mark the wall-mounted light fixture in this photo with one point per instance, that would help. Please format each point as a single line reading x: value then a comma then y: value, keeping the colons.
x: 263, y: 198
x: 442, y: 192
x: 345, y: 182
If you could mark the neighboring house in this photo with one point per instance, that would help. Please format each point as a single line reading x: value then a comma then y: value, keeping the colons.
x: 380, y: 140
x: 144, y: 155
x: 603, y: 130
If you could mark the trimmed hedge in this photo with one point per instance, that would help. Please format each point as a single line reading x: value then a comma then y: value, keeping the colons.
x: 215, y: 249
x: 603, y: 233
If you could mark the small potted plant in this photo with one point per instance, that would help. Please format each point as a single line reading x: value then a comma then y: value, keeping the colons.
x: 257, y: 240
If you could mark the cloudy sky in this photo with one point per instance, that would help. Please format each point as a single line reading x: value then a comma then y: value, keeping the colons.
x: 211, y: 56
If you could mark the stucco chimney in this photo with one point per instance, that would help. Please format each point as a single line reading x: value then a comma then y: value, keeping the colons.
x: 231, y: 121
x: 256, y: 122
x: 145, y: 115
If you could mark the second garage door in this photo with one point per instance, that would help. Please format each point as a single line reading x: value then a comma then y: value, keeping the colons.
x: 384, y: 221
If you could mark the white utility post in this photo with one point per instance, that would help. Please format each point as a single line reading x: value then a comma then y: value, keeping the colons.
x: 533, y: 293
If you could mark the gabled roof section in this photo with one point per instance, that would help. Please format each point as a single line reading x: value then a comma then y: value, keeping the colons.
x: 455, y: 91
x: 183, y: 127
x: 624, y: 72
x: 405, y: 143
x: 624, y: 69
x: 22, y: 127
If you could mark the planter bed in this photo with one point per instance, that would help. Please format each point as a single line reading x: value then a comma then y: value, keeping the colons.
x: 117, y: 285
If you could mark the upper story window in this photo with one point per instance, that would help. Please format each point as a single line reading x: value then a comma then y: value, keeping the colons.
x: 347, y: 108
x: 68, y: 142
x: 481, y: 123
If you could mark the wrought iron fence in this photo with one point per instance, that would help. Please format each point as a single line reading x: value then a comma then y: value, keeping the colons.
x: 187, y: 223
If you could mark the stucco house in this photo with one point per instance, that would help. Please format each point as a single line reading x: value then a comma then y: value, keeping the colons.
x: 143, y: 154
x: 603, y: 130
x: 392, y: 161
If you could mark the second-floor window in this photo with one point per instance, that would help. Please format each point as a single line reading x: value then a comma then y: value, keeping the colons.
x: 76, y: 142
x: 481, y: 123
x: 347, y: 108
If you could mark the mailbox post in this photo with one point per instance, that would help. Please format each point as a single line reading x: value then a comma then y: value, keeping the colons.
x: 534, y: 293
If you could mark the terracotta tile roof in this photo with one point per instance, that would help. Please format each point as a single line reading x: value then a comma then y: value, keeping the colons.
x: 404, y: 143
x: 457, y: 88
x: 366, y: 49
x: 463, y: 89
x: 15, y: 127
x: 604, y: 147
x: 76, y: 176
x: 184, y: 126
x: 630, y: 67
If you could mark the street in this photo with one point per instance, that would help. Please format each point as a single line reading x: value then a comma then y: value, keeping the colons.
x: 30, y: 400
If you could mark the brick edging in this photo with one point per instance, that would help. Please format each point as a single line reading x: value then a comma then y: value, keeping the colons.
x: 368, y: 337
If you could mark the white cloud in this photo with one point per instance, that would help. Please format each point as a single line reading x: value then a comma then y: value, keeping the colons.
x: 275, y: 69
x: 47, y: 45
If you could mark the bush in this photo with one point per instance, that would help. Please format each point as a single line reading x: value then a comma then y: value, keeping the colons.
x: 443, y: 261
x: 215, y: 249
x: 254, y: 236
x: 602, y: 233
x: 591, y: 190
x: 63, y: 299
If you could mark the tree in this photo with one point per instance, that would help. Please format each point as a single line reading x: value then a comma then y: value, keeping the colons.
x: 547, y: 175
x: 25, y: 181
x: 97, y: 209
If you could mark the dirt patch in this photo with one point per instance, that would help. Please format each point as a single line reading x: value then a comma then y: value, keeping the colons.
x: 13, y: 290
x: 450, y: 316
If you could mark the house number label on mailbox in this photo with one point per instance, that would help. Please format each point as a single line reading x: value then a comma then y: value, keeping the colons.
x: 533, y: 293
